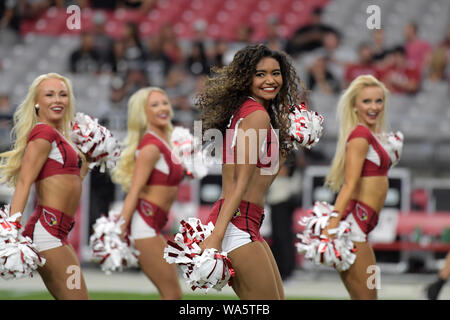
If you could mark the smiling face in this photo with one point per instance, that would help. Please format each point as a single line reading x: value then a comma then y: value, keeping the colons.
x: 53, y: 101
x: 369, y: 105
x: 158, y: 110
x: 267, y: 81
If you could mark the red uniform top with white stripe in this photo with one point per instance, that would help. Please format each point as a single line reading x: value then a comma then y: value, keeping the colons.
x: 63, y: 157
x: 377, y: 160
x: 265, y: 155
x: 166, y: 172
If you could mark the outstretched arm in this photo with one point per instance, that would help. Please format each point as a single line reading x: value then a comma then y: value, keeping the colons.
x: 36, y: 153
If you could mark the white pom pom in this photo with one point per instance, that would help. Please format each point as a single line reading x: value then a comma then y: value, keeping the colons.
x: 338, y: 252
x: 211, y: 270
x: 393, y: 144
x: 207, y: 269
x: 306, y: 126
x: 107, y: 246
x: 318, y: 218
x: 95, y: 141
x: 189, y: 153
x: 18, y: 254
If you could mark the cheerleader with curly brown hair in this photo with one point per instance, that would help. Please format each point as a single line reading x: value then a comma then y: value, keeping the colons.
x: 247, y: 101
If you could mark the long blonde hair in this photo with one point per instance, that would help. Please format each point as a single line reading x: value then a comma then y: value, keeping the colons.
x: 25, y: 118
x: 348, y: 119
x: 137, y: 126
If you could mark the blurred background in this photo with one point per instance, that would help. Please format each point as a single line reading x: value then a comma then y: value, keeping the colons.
x: 120, y: 46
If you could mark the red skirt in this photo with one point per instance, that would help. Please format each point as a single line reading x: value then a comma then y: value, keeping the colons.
x: 53, y: 221
x: 248, y: 218
x: 365, y: 216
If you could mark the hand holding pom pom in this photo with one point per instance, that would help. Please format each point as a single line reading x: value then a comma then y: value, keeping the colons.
x: 337, y: 252
x: 207, y: 269
x: 108, y: 248
x: 18, y: 255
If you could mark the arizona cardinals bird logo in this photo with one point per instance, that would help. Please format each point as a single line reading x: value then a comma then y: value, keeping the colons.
x: 361, y: 212
x: 50, y: 218
x: 147, y: 208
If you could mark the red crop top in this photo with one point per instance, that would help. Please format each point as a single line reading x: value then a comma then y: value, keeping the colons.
x: 377, y: 162
x: 271, y: 144
x: 166, y: 172
x: 63, y: 157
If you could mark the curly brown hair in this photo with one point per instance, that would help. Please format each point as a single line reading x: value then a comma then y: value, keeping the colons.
x: 229, y: 87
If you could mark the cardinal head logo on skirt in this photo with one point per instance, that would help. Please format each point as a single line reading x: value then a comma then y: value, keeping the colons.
x: 50, y: 218
x: 147, y: 208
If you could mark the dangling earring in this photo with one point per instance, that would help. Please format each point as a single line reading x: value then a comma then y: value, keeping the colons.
x: 36, y: 106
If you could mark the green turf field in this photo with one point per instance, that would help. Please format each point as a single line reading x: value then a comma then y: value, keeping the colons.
x: 100, y: 295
